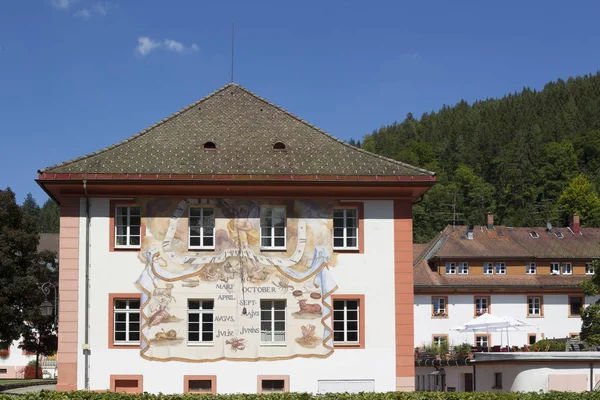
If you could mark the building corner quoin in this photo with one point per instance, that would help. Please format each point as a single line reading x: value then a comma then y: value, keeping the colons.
x: 69, y: 293
x: 404, y: 295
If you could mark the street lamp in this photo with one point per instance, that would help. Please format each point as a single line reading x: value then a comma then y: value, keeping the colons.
x: 46, y: 308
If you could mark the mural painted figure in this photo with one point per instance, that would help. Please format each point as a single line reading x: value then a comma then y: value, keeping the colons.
x: 204, y: 304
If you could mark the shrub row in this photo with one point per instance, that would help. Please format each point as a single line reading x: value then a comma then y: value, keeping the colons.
x: 305, y: 396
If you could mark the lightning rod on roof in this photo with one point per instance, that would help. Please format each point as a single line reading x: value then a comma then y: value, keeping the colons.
x: 232, y: 46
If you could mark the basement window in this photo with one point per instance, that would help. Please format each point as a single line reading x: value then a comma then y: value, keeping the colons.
x: 209, y: 146
x: 200, y: 384
x: 273, y: 384
x: 3, y: 371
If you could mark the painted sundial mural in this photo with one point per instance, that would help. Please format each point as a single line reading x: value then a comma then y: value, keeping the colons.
x: 205, y: 305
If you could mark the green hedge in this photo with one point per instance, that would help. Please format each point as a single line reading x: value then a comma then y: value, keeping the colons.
x: 305, y: 396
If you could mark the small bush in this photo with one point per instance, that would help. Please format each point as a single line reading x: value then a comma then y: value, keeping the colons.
x: 306, y: 396
x: 30, y: 371
x: 548, y: 345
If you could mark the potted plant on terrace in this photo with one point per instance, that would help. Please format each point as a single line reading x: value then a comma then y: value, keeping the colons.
x: 463, y: 351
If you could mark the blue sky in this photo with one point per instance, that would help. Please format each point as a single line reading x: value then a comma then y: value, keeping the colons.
x: 78, y: 75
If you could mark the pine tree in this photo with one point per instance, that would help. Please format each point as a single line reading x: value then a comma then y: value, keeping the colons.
x: 50, y: 217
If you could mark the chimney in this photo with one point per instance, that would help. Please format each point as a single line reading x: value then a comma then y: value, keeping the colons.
x: 575, y: 225
x: 490, y: 221
x: 470, y: 232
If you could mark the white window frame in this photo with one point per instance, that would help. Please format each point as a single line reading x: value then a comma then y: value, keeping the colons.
x: 345, y: 229
x: 554, y: 268
x: 567, y: 268
x: 272, y: 228
x: 201, y: 311
x: 272, y: 321
x: 536, y: 307
x: 479, y: 309
x: 482, y: 345
x: 128, y: 234
x: 500, y: 268
x: 463, y: 268
x: 589, y: 268
x: 450, y: 268
x: 439, y: 312
x: 201, y: 226
x: 488, y: 268
x: 531, y: 268
x: 346, y: 320
x: 439, y: 340
x: 127, y: 311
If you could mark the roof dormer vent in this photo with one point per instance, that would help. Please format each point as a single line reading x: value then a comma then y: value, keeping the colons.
x: 534, y: 234
x: 279, y: 146
x: 470, y: 232
x: 209, y: 146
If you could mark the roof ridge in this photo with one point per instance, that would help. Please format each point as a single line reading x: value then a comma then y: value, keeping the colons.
x: 140, y: 133
x: 328, y: 135
x: 428, y: 248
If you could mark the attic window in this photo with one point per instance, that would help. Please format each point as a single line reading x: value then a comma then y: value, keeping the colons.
x: 500, y: 234
x: 534, y: 234
x: 559, y: 235
x: 279, y: 146
x: 210, y: 146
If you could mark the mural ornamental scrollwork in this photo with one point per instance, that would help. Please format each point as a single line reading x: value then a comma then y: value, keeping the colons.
x: 236, y: 302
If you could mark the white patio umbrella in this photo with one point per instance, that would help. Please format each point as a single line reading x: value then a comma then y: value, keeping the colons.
x: 482, y: 323
x: 515, y: 324
x: 491, y: 323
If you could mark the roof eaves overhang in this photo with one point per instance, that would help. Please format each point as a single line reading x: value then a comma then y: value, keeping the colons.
x: 275, y: 186
x: 493, y: 288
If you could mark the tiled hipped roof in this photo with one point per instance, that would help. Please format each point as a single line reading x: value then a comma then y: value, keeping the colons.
x: 502, y: 243
x: 244, y: 128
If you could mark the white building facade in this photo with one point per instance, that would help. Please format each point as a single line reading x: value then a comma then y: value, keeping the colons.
x: 555, y: 323
x: 530, y: 274
x: 219, y: 276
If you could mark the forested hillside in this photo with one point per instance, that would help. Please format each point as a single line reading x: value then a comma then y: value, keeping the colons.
x: 530, y: 158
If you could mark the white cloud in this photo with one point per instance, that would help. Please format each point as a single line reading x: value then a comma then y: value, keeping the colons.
x: 147, y: 45
x: 172, y: 45
x: 83, y: 14
x: 101, y: 8
x: 62, y: 4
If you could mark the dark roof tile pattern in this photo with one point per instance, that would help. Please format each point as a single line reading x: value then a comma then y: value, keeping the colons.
x: 518, y: 243
x: 244, y: 128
